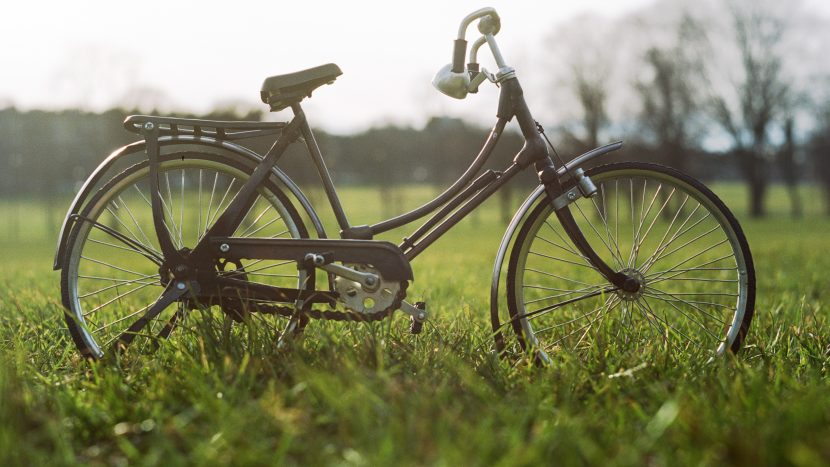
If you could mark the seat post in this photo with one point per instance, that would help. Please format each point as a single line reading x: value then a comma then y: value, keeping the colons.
x: 320, y: 164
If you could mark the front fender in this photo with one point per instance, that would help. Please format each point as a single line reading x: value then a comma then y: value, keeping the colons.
x: 97, y: 175
x: 520, y: 214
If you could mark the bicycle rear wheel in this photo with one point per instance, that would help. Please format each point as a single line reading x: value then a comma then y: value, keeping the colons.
x: 108, y: 284
x: 654, y: 223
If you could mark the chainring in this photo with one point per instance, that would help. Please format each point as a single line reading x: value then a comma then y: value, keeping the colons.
x: 357, y: 298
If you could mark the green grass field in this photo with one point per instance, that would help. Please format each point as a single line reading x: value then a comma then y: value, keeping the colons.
x: 352, y: 394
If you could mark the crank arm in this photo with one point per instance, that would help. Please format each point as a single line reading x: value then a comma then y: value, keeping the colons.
x: 364, y: 278
x: 418, y: 314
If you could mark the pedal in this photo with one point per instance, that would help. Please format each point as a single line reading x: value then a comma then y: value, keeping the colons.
x: 417, y: 315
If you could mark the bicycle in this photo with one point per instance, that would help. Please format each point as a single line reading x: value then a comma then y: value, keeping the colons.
x: 643, y: 257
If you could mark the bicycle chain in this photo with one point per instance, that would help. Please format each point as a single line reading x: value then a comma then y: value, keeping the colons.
x: 337, y: 315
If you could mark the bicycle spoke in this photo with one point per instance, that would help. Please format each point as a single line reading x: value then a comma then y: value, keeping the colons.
x: 598, y: 312
x: 693, y: 279
x: 549, y: 308
x: 604, y: 217
x: 132, y: 217
x: 266, y: 225
x: 181, y: 212
x: 671, y: 224
x: 643, y: 216
x: 699, y: 253
x: 210, y: 204
x: 549, y: 274
x: 593, y: 287
x: 658, y: 254
x: 562, y: 260
x: 175, y: 233
x: 255, y: 221
x: 697, y: 302
x: 565, y: 244
x: 688, y: 242
x: 124, y: 226
x: 222, y: 202
x: 119, y: 284
x: 283, y: 263
x: 695, y: 321
x: 566, y: 250
x: 114, y: 299
x: 661, y: 296
x: 150, y: 205
x: 103, y: 263
x: 199, y: 232
x: 599, y: 318
x: 111, y: 279
x: 658, y: 214
x: 118, y: 247
x: 657, y: 274
x: 666, y: 323
x: 599, y: 236
x: 165, y: 299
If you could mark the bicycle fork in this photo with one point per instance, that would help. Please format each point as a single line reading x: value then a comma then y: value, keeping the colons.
x: 560, y: 199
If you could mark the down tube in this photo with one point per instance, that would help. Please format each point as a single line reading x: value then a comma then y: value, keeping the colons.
x: 462, y: 212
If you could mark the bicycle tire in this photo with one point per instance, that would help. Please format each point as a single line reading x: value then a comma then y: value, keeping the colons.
x: 630, y: 331
x: 218, y: 173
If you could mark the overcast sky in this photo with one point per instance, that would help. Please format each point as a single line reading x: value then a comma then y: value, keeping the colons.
x: 195, y: 55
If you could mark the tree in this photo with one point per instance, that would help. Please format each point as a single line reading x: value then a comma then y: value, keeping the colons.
x: 671, y: 97
x: 788, y: 166
x: 762, y: 94
x: 819, y: 154
x: 582, y: 60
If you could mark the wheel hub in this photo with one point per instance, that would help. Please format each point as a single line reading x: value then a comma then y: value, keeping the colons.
x: 629, y: 292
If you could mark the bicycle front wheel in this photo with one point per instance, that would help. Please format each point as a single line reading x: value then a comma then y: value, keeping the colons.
x: 654, y: 223
x: 112, y: 273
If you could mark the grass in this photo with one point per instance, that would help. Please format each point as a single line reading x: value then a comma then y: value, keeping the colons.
x: 351, y: 394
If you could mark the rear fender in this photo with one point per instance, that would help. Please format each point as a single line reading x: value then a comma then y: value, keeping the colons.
x: 101, y: 171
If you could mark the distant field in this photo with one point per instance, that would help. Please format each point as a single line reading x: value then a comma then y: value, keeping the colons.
x: 374, y: 395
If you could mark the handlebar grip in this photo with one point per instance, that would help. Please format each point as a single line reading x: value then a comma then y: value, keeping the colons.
x: 458, y: 54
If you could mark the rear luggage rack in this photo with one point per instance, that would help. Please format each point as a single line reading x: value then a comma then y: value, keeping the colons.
x: 219, y: 129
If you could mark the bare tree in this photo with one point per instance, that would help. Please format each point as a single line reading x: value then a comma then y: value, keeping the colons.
x: 762, y: 94
x: 590, y: 88
x: 788, y: 166
x: 819, y: 153
x: 671, y: 97
x: 581, y: 62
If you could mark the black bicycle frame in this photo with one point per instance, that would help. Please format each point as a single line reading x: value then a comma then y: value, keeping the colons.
x: 450, y: 207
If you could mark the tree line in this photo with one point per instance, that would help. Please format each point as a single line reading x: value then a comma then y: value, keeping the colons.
x: 49, y: 154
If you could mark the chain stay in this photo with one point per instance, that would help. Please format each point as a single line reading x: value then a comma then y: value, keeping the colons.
x: 337, y: 315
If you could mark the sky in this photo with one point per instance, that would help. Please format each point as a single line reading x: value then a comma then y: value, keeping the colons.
x: 194, y: 56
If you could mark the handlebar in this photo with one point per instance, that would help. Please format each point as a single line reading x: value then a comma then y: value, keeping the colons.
x: 465, y: 23
x: 489, y: 24
x: 454, y: 79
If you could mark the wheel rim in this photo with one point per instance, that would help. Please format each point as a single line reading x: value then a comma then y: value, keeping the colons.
x: 111, y: 284
x: 675, y: 238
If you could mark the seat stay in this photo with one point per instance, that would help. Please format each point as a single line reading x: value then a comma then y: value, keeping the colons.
x: 229, y: 220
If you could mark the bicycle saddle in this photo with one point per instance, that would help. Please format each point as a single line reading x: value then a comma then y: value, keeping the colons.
x: 280, y: 91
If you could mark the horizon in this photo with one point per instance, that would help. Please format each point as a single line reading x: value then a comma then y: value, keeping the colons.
x: 388, y: 56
